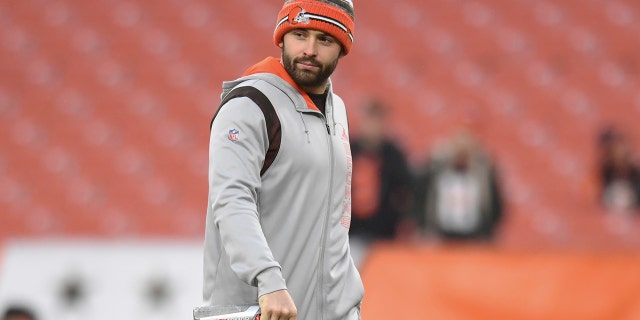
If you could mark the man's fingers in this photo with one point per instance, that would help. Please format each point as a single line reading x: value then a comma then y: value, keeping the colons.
x: 279, y: 314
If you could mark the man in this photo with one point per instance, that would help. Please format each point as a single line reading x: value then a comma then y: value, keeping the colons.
x: 382, y: 183
x: 458, y: 194
x: 18, y: 313
x: 280, y: 177
x: 619, y: 174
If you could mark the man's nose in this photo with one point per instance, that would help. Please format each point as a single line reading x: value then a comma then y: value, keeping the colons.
x: 310, y: 48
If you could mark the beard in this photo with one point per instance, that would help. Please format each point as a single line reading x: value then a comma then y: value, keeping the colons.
x: 307, y: 78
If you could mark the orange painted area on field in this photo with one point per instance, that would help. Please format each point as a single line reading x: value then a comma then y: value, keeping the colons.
x: 404, y: 282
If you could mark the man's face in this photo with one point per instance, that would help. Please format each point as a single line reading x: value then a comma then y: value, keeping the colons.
x: 310, y: 57
x: 19, y: 317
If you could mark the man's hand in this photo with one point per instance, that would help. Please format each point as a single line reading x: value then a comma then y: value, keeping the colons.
x: 277, y: 305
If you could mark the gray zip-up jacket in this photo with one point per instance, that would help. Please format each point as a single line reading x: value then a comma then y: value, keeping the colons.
x: 287, y: 227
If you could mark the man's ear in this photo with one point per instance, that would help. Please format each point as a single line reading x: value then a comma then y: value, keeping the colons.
x: 281, y: 44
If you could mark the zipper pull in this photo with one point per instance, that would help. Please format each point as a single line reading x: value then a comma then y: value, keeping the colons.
x: 328, y: 128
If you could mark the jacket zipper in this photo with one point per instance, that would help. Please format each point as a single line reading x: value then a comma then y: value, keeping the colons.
x: 325, y: 227
x: 326, y: 220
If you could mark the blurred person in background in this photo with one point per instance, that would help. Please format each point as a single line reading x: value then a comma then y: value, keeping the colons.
x: 382, y: 182
x: 280, y: 166
x: 457, y: 192
x: 18, y: 313
x: 619, y: 174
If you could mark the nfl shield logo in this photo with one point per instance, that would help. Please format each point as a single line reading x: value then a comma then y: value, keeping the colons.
x: 233, y: 134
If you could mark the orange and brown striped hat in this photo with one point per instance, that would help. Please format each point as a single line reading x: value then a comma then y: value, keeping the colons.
x: 334, y: 17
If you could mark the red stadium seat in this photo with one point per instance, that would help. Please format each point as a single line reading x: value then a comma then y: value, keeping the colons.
x: 104, y: 105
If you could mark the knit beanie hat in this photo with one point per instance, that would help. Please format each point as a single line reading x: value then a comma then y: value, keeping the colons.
x: 334, y: 17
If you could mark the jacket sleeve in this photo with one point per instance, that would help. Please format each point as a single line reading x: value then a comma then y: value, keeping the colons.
x: 237, y: 149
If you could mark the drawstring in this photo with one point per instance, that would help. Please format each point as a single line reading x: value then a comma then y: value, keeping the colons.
x: 333, y: 114
x: 306, y: 130
x: 333, y: 118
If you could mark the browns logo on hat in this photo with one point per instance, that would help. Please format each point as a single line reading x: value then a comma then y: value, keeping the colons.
x: 335, y: 17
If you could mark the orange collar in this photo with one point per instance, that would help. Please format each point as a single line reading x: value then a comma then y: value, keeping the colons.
x: 273, y: 65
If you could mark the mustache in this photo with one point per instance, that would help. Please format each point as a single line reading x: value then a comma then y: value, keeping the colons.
x: 310, y: 61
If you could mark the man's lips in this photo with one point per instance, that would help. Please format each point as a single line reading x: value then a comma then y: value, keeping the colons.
x: 308, y: 65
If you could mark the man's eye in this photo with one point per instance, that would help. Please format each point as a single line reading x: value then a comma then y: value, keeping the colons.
x: 327, y: 40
